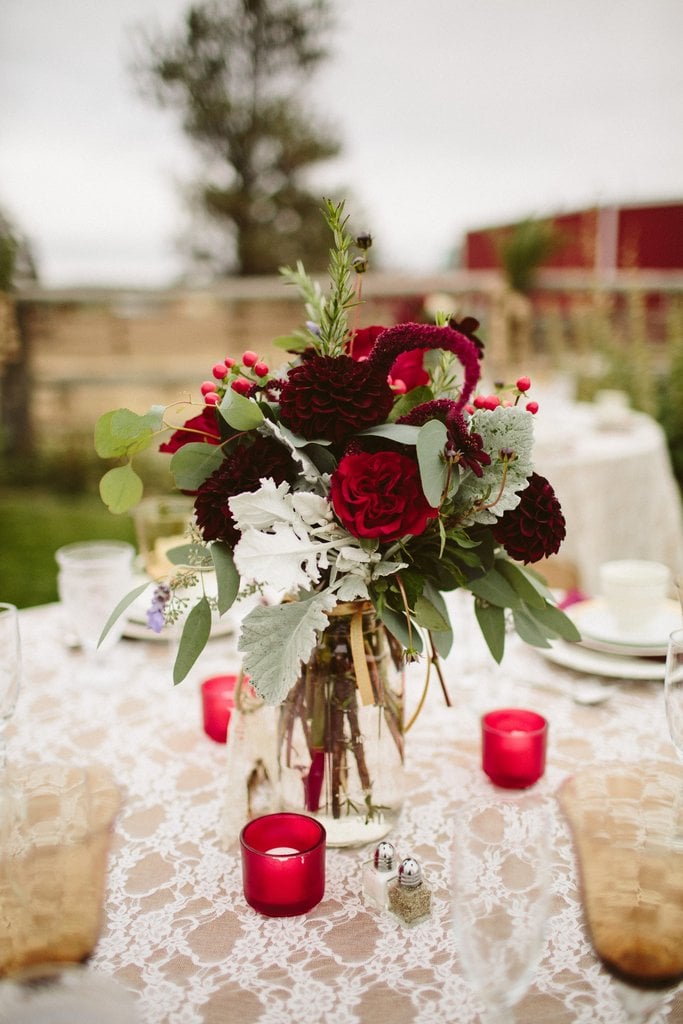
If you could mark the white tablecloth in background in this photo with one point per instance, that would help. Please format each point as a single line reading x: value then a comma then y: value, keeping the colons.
x: 616, y: 488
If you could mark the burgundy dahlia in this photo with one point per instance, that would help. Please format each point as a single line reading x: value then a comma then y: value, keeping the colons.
x: 536, y: 527
x: 241, y: 470
x: 332, y: 398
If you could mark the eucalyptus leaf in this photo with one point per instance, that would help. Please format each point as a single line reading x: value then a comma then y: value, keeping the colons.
x: 194, y: 462
x: 240, y: 412
x: 528, y: 629
x: 404, y: 433
x: 431, y: 441
x: 494, y: 589
x: 397, y: 624
x: 193, y: 639
x: 409, y: 401
x: 121, y: 488
x: 124, y: 603
x: 521, y: 583
x: 491, y: 621
x: 227, y: 577
x: 428, y: 616
x: 441, y: 638
x: 188, y: 554
x: 291, y: 342
x: 122, y: 433
x: 556, y: 623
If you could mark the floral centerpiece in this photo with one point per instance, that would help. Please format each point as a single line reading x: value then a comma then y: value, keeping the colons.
x: 366, y: 476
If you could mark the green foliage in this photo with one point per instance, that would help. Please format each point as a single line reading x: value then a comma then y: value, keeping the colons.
x: 35, y: 522
x: 235, y: 73
x: 431, y: 442
x: 530, y: 244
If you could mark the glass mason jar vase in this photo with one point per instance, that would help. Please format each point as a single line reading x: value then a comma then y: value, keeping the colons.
x: 340, y: 736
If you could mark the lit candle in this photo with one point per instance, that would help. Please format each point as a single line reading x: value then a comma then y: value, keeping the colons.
x: 513, y: 746
x: 218, y: 700
x: 283, y: 864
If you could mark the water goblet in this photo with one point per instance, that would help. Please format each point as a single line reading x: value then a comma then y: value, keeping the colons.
x: 10, y: 670
x: 501, y: 896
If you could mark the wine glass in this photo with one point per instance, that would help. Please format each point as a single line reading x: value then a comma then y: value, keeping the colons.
x: 673, y: 690
x: 501, y: 895
x: 10, y: 670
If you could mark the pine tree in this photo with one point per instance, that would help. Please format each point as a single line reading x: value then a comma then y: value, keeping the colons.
x: 235, y: 72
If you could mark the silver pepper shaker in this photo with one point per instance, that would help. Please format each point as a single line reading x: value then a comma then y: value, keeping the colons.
x: 378, y: 874
x: 409, y: 896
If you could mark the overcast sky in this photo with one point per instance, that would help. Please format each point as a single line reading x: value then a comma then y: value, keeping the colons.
x: 453, y: 114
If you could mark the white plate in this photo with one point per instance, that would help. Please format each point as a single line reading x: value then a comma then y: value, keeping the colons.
x: 600, y: 631
x: 597, y: 663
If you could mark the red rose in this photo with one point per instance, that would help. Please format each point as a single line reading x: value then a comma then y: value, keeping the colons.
x: 408, y: 367
x: 379, y: 495
x: 363, y: 341
x: 203, y: 427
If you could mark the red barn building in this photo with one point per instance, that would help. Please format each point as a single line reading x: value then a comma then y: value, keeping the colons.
x: 604, y: 239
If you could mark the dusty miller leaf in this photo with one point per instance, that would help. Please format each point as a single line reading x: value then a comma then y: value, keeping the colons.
x: 276, y: 640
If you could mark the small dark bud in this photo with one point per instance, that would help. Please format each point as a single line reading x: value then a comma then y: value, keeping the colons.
x: 364, y: 241
x: 360, y: 264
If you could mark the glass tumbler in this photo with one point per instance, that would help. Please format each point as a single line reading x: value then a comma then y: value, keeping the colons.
x: 54, y: 844
x: 93, y: 577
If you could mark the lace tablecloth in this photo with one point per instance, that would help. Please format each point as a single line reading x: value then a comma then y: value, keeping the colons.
x: 616, y: 488
x: 177, y: 930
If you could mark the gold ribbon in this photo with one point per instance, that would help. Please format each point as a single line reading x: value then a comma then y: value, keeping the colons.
x: 360, y: 665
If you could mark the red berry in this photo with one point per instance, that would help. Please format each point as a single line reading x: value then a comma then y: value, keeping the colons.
x: 479, y: 402
x: 219, y: 370
x: 261, y: 369
x: 491, y: 402
x: 469, y: 408
x: 523, y: 384
x: 229, y: 362
x: 532, y: 407
x: 241, y: 385
x: 207, y: 387
x: 212, y: 398
x: 249, y: 358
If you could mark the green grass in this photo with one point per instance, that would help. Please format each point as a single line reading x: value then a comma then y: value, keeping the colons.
x: 33, y: 524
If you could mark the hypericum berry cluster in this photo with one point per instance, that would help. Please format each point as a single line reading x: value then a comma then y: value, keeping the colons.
x: 242, y: 376
x: 492, y: 401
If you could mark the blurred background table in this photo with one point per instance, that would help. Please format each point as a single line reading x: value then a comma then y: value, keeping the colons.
x: 177, y: 931
x: 615, y: 485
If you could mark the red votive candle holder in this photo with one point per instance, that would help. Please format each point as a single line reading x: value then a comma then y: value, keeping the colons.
x: 513, y: 744
x: 218, y: 700
x: 283, y: 864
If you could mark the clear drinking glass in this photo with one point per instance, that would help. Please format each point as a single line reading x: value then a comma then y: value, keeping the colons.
x: 93, y: 577
x: 10, y: 670
x: 501, y: 895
